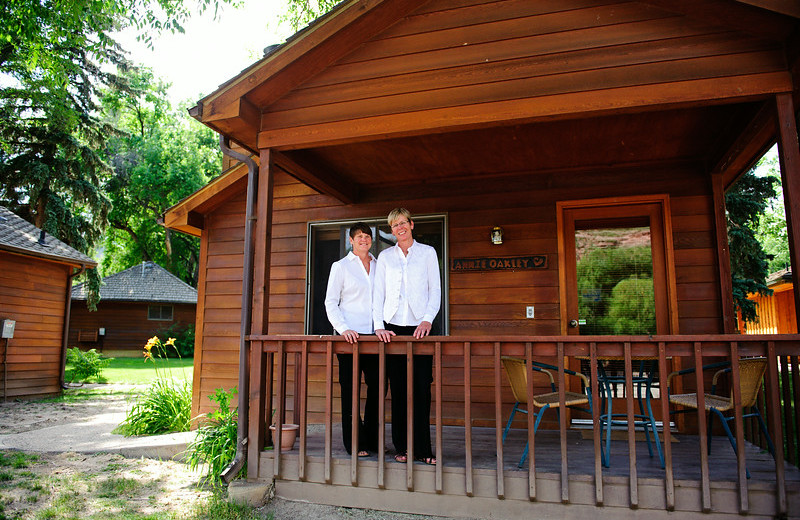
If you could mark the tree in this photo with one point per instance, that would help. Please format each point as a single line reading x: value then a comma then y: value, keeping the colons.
x: 55, y: 57
x: 771, y: 230
x: 746, y: 201
x: 302, y: 12
x: 162, y: 157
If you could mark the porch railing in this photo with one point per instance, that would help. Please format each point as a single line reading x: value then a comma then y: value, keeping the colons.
x: 268, y: 363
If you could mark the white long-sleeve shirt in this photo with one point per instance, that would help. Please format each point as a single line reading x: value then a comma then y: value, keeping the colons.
x: 348, y: 300
x: 407, y: 288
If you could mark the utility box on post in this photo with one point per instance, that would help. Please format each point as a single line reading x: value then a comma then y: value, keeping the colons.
x: 8, y: 329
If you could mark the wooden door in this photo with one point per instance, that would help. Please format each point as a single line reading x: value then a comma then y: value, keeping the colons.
x: 616, y: 267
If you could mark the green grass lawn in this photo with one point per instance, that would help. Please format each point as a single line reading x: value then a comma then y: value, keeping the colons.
x: 141, y: 372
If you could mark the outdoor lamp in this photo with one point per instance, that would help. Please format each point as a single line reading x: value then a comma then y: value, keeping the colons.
x: 497, y: 235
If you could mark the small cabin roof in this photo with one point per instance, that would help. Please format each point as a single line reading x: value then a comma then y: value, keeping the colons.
x: 146, y: 282
x: 19, y: 236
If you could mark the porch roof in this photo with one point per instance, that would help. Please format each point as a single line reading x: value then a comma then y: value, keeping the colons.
x: 696, y: 91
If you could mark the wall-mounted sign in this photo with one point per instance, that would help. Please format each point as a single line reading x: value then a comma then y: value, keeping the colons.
x: 504, y: 263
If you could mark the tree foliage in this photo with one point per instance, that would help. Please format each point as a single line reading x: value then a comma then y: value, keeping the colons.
x: 746, y: 202
x: 161, y: 158
x: 56, y: 56
x: 302, y: 12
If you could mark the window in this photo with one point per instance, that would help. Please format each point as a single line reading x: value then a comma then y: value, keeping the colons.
x: 159, y: 312
x: 327, y: 243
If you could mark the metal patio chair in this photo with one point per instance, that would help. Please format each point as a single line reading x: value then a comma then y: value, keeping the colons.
x: 517, y: 373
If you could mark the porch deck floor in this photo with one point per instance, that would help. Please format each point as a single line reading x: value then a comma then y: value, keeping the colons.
x: 580, y: 454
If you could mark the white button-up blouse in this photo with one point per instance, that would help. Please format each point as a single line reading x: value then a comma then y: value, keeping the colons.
x: 418, y: 276
x: 348, y: 300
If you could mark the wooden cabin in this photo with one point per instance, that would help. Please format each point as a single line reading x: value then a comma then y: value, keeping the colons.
x: 574, y: 126
x: 136, y: 304
x: 776, y: 312
x: 36, y: 273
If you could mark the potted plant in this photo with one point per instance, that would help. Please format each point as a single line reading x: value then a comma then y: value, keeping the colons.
x: 288, y: 435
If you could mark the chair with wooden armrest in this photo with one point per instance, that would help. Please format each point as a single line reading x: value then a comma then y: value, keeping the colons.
x: 517, y: 373
x: 751, y: 375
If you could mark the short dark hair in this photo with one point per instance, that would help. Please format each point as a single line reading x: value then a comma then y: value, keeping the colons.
x: 360, y: 226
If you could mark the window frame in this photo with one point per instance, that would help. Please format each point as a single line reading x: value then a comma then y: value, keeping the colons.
x: 161, y: 312
x: 378, y: 222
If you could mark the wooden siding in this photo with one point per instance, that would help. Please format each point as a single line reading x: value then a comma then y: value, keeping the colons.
x: 483, y: 57
x: 33, y: 293
x: 126, y: 324
x: 481, y: 303
x: 776, y: 314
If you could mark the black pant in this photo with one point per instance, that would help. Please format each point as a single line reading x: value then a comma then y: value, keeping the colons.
x: 368, y: 428
x: 423, y: 377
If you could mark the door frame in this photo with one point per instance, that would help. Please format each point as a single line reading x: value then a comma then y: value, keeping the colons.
x: 657, y: 209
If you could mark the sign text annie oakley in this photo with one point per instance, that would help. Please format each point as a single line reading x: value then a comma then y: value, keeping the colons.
x: 499, y: 263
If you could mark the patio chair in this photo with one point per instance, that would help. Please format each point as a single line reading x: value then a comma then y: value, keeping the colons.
x: 751, y: 375
x: 518, y: 377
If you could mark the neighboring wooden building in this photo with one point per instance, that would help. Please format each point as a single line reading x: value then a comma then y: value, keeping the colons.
x: 776, y: 312
x: 36, y: 272
x: 135, y: 305
x: 552, y: 120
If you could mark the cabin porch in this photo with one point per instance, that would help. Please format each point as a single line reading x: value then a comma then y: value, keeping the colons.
x: 478, y: 475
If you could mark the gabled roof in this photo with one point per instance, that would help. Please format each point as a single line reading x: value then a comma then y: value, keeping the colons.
x: 146, y: 282
x: 17, y: 235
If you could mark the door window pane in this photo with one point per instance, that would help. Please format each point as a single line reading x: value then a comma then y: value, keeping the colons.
x: 615, y: 281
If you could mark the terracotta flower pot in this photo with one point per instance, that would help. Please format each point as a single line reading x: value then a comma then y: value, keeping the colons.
x: 288, y: 435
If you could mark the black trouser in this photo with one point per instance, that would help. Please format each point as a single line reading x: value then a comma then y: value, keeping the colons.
x: 423, y: 377
x: 368, y: 428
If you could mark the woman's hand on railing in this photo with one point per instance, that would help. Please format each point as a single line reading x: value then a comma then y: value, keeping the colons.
x: 350, y: 335
x: 384, y: 335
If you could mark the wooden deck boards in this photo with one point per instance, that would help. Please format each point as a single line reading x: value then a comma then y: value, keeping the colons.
x: 580, y: 454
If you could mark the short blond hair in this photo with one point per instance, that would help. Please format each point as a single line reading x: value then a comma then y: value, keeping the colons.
x: 396, y: 213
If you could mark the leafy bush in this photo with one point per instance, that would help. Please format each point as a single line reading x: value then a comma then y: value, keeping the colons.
x: 184, y: 340
x: 84, y: 366
x: 631, y: 310
x: 167, y: 404
x: 215, y: 443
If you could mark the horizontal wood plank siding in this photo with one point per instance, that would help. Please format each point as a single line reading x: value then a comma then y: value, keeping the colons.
x: 32, y: 293
x: 481, y: 303
x: 458, y: 56
x: 127, y: 328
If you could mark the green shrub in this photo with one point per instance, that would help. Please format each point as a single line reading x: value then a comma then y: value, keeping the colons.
x: 184, y: 340
x: 84, y: 366
x: 166, y: 406
x: 215, y: 443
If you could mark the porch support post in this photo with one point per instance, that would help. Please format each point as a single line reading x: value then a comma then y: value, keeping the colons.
x: 789, y: 153
x: 723, y: 253
x: 261, y: 394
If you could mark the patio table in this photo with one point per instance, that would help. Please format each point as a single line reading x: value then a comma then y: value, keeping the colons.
x: 642, y: 380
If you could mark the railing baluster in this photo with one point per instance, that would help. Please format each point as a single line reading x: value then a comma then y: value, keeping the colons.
x: 531, y: 424
x: 468, y: 484
x: 438, y: 391
x: 498, y: 419
x: 669, y: 482
x: 794, y: 443
x: 596, y: 433
x: 297, y: 385
x: 328, y: 410
x: 738, y: 423
x: 562, y: 423
x: 634, y: 478
x: 705, y: 482
x: 301, y: 461
x: 409, y: 416
x: 777, y: 429
x: 381, y: 415
x: 280, y: 410
x: 786, y: 410
x: 355, y: 415
x: 256, y: 426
